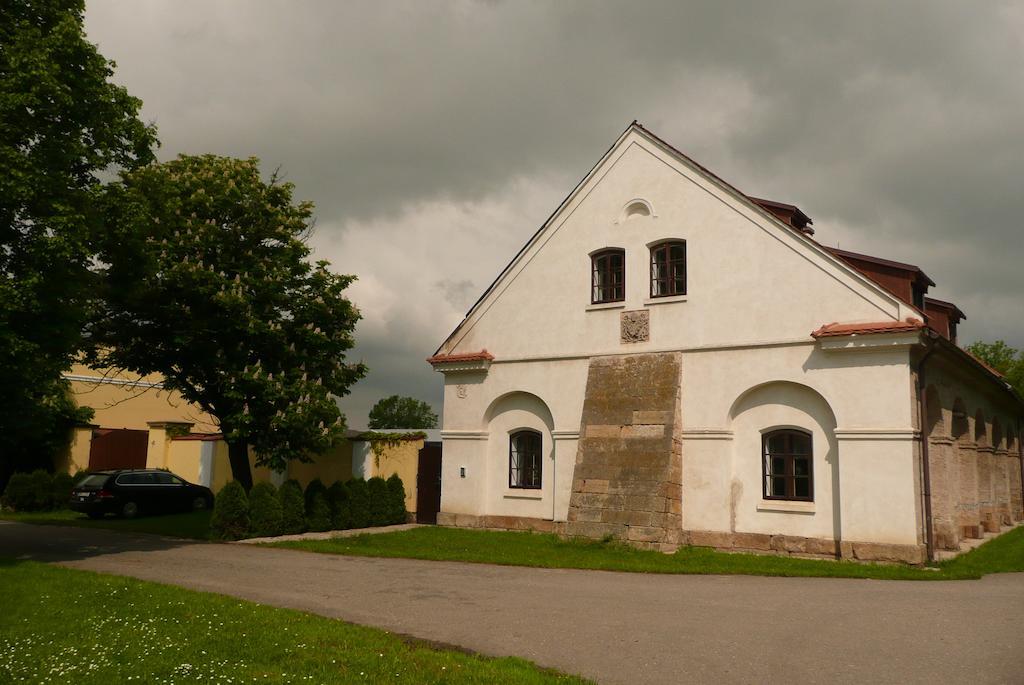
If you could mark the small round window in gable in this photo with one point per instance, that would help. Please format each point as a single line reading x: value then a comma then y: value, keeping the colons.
x: 636, y: 209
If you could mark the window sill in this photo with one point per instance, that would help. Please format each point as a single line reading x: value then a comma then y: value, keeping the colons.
x: 665, y: 300
x: 524, y: 494
x: 606, y: 305
x: 785, y: 505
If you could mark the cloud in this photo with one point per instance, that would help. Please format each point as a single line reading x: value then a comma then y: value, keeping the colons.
x: 435, y: 137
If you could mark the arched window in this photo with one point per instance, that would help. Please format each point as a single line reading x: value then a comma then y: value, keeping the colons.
x: 608, y: 276
x: 668, y: 268
x: 524, y: 462
x: 787, y: 462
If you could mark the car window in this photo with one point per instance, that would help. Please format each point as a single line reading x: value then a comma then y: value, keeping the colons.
x: 96, y: 480
x: 127, y: 479
x: 164, y: 478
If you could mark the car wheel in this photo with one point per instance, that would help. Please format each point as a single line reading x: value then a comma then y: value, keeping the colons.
x: 130, y: 510
x: 199, y: 504
x: 95, y: 515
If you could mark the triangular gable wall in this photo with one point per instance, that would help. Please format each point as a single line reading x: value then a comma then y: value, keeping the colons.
x: 886, y: 305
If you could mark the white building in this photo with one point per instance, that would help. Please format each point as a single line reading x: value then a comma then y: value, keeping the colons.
x: 670, y: 361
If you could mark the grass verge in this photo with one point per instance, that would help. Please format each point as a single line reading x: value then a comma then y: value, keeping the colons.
x: 1001, y: 555
x: 195, y: 525
x: 61, y: 625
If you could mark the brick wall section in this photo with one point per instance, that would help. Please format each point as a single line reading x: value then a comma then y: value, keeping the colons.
x: 628, y: 472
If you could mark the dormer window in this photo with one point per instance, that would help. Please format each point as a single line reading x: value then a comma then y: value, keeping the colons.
x: 608, y: 276
x: 668, y: 268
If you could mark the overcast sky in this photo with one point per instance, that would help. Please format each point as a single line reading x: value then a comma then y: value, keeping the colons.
x: 436, y: 137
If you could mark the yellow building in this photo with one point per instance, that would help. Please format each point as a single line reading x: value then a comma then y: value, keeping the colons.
x: 139, y: 424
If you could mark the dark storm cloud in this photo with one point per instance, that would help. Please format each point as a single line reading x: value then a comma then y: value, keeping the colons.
x: 457, y: 127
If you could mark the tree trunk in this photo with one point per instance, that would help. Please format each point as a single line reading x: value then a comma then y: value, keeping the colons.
x: 238, y: 455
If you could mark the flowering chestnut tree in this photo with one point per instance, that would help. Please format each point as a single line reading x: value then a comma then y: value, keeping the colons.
x: 208, y: 282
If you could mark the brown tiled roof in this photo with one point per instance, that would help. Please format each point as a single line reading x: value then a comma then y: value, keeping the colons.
x: 892, y: 264
x: 942, y: 304
x: 481, y: 356
x: 834, y: 329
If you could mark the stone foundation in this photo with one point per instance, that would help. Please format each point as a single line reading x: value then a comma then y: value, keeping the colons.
x: 627, y: 481
x: 790, y: 545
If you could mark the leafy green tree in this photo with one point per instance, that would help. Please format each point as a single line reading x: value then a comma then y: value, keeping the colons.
x: 61, y: 123
x: 1007, y: 360
x: 209, y: 283
x: 402, y: 412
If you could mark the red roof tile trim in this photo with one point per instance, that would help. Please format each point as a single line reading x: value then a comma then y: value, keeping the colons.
x: 481, y: 356
x: 834, y: 329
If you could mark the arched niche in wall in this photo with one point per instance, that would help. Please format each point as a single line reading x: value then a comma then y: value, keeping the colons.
x: 760, y: 411
x: 960, y: 425
x: 934, y: 425
x: 637, y: 208
x: 980, y: 429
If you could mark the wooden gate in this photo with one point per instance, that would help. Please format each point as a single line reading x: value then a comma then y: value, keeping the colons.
x: 428, y: 483
x: 118, y: 448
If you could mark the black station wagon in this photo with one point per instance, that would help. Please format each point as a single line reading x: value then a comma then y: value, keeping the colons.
x: 137, y: 491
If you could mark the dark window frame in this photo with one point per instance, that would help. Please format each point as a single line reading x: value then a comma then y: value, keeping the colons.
x: 789, y: 455
x: 671, y: 268
x: 603, y: 288
x: 517, y: 470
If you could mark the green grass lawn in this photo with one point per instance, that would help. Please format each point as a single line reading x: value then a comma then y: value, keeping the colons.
x: 1003, y: 554
x: 66, y: 626
x: 190, y: 525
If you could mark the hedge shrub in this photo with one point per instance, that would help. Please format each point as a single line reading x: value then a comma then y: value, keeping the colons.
x: 230, y: 520
x: 265, y: 513
x: 396, y: 500
x: 341, y: 506
x: 318, y: 510
x: 18, y: 494
x: 293, y: 508
x: 63, y: 483
x: 377, y: 491
x: 359, y: 502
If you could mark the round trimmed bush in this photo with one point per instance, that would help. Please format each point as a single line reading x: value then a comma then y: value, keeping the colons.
x: 359, y: 499
x: 293, y: 508
x: 230, y: 520
x: 341, y: 506
x: 396, y: 500
x: 41, y: 485
x: 18, y: 494
x: 377, y: 491
x: 62, y: 486
x: 265, y: 514
x: 318, y: 510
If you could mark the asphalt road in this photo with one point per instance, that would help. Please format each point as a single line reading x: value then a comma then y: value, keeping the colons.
x: 612, y: 627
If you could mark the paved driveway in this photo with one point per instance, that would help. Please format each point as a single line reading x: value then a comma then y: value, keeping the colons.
x: 612, y: 627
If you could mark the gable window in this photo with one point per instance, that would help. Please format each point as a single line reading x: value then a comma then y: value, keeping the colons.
x: 524, y: 465
x: 786, y: 465
x: 608, y: 276
x: 668, y: 268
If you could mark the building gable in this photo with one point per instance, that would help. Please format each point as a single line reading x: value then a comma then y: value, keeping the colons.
x: 751, y: 278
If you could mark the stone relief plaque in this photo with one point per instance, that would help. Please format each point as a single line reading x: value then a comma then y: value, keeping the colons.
x: 461, y: 391
x: 635, y: 326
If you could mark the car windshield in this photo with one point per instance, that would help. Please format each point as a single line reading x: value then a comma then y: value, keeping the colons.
x: 92, y: 482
